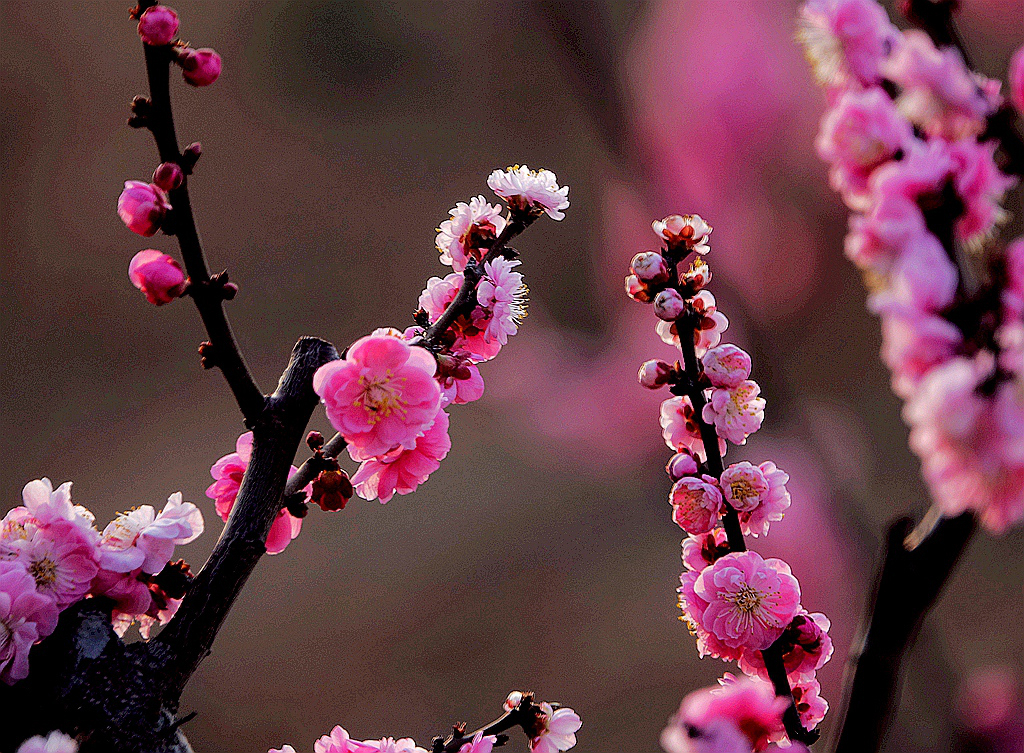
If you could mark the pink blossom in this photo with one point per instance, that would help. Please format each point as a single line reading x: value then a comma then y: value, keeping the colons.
x: 737, y: 412
x: 693, y: 608
x: 142, y: 207
x: 750, y: 600
x: 637, y: 289
x: 913, y: 343
x: 470, y: 330
x: 981, y: 185
x: 144, y: 539
x: 227, y: 473
x: 922, y: 277
x: 460, y: 391
x: 530, y: 190
x: 284, y: 749
x: 403, y: 470
x: 683, y: 463
x: 726, y: 365
x: 744, y: 486
x: 382, y: 395
x: 698, y: 275
x: 860, y: 132
x: 1016, y: 80
x: 705, y: 549
x: 696, y: 503
x: 717, y: 736
x: 479, y: 744
x: 131, y: 595
x: 389, y: 745
x: 687, y: 230
x: 158, y: 25
x: 772, y: 506
x: 46, y: 505
x: 845, y: 40
x: 200, y: 67
x: 809, y: 704
x: 156, y: 274
x: 61, y: 558
x: 502, y: 294
x: 750, y: 705
x: 711, y: 323
x: 338, y: 741
x: 680, y: 429
x: 559, y: 731
x: 806, y: 647
x: 25, y: 617
x: 460, y: 237
x: 1013, y: 290
x: 56, y: 741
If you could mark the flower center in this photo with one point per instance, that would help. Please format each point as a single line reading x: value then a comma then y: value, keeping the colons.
x: 747, y: 599
x: 380, y: 396
x: 44, y: 571
x: 123, y: 532
x: 742, y: 490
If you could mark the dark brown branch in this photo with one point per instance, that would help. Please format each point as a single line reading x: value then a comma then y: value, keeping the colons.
x: 309, y: 469
x: 525, y: 715
x: 916, y: 565
x: 206, y: 294
x: 276, y: 437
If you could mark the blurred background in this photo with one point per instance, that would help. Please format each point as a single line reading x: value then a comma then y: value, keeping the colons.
x: 541, y: 555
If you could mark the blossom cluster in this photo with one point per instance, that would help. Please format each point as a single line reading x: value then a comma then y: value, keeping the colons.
x: 550, y: 728
x: 388, y: 396
x: 736, y: 603
x: 906, y: 138
x: 52, y: 556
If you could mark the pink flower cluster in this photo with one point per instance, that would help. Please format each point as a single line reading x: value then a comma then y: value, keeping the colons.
x: 52, y: 556
x: 736, y: 603
x: 906, y: 156
x: 388, y: 396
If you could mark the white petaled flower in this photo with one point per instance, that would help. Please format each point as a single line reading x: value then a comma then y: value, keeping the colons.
x: 524, y: 188
x: 55, y: 742
x: 560, y: 728
x: 458, y: 237
x: 690, y: 229
x: 141, y: 538
x: 503, y: 294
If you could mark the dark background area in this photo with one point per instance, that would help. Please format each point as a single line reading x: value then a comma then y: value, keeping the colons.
x: 541, y: 555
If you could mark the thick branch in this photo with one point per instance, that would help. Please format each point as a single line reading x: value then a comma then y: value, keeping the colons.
x: 276, y: 437
x: 207, y: 296
x: 916, y: 566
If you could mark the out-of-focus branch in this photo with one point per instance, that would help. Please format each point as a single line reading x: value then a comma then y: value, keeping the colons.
x: 916, y: 565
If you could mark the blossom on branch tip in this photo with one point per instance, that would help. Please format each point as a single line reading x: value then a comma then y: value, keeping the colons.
x: 696, y: 503
x: 55, y: 742
x: 737, y: 412
x: 158, y: 25
x: 687, y: 232
x: 559, y: 730
x: 402, y: 470
x: 468, y: 232
x: 26, y: 616
x: 750, y: 600
x: 533, y: 191
x: 142, y: 207
x: 157, y: 275
x: 199, y: 67
x: 380, y: 396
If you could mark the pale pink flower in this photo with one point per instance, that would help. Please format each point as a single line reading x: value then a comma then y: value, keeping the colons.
x: 913, y: 343
x: 680, y: 430
x: 744, y: 486
x: 750, y: 705
x: 716, y: 736
x: 750, y: 600
x: 669, y: 305
x: 560, y: 728
x: 285, y: 749
x: 689, y: 230
x: 772, y: 506
x: 654, y: 374
x: 45, y: 504
x: 26, y: 616
x: 460, y: 391
x: 157, y: 275
x: 459, y: 238
x: 470, y: 331
x: 693, y: 608
x: 61, y: 558
x: 338, y: 741
x: 56, y: 741
x: 705, y: 549
x: 142, y: 207
x: 860, y: 132
x: 698, y: 275
x: 845, y: 40
x: 711, y: 323
x: 199, y: 67
x: 726, y: 365
x: 382, y: 395
x: 737, y: 412
x: 388, y: 745
x: 533, y: 190
x: 403, y: 470
x: 806, y: 648
x: 479, y: 744
x: 683, y: 463
x: 922, y: 277
x: 501, y: 292
x: 131, y: 595
x: 981, y: 185
x: 696, y: 503
x: 141, y: 538
x: 809, y: 704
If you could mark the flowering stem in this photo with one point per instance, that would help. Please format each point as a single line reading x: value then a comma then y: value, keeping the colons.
x: 309, y: 469
x: 524, y: 715
x: 208, y: 298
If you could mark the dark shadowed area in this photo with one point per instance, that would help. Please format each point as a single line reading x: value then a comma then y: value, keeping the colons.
x: 541, y: 555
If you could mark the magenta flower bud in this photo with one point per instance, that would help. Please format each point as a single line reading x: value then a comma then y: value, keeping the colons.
x: 636, y: 289
x: 669, y: 305
x: 650, y: 267
x: 1016, y: 80
x: 168, y: 175
x: 158, y: 25
x: 654, y: 374
x: 142, y: 207
x: 199, y: 67
x: 157, y: 275
x: 682, y: 464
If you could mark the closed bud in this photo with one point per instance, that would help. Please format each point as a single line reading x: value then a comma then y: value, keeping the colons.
x: 200, y: 67
x: 650, y: 267
x: 168, y: 175
x: 669, y: 305
x: 513, y: 700
x: 158, y: 25
x: 636, y: 289
x: 157, y: 275
x: 142, y: 207
x: 682, y: 464
x: 654, y: 374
